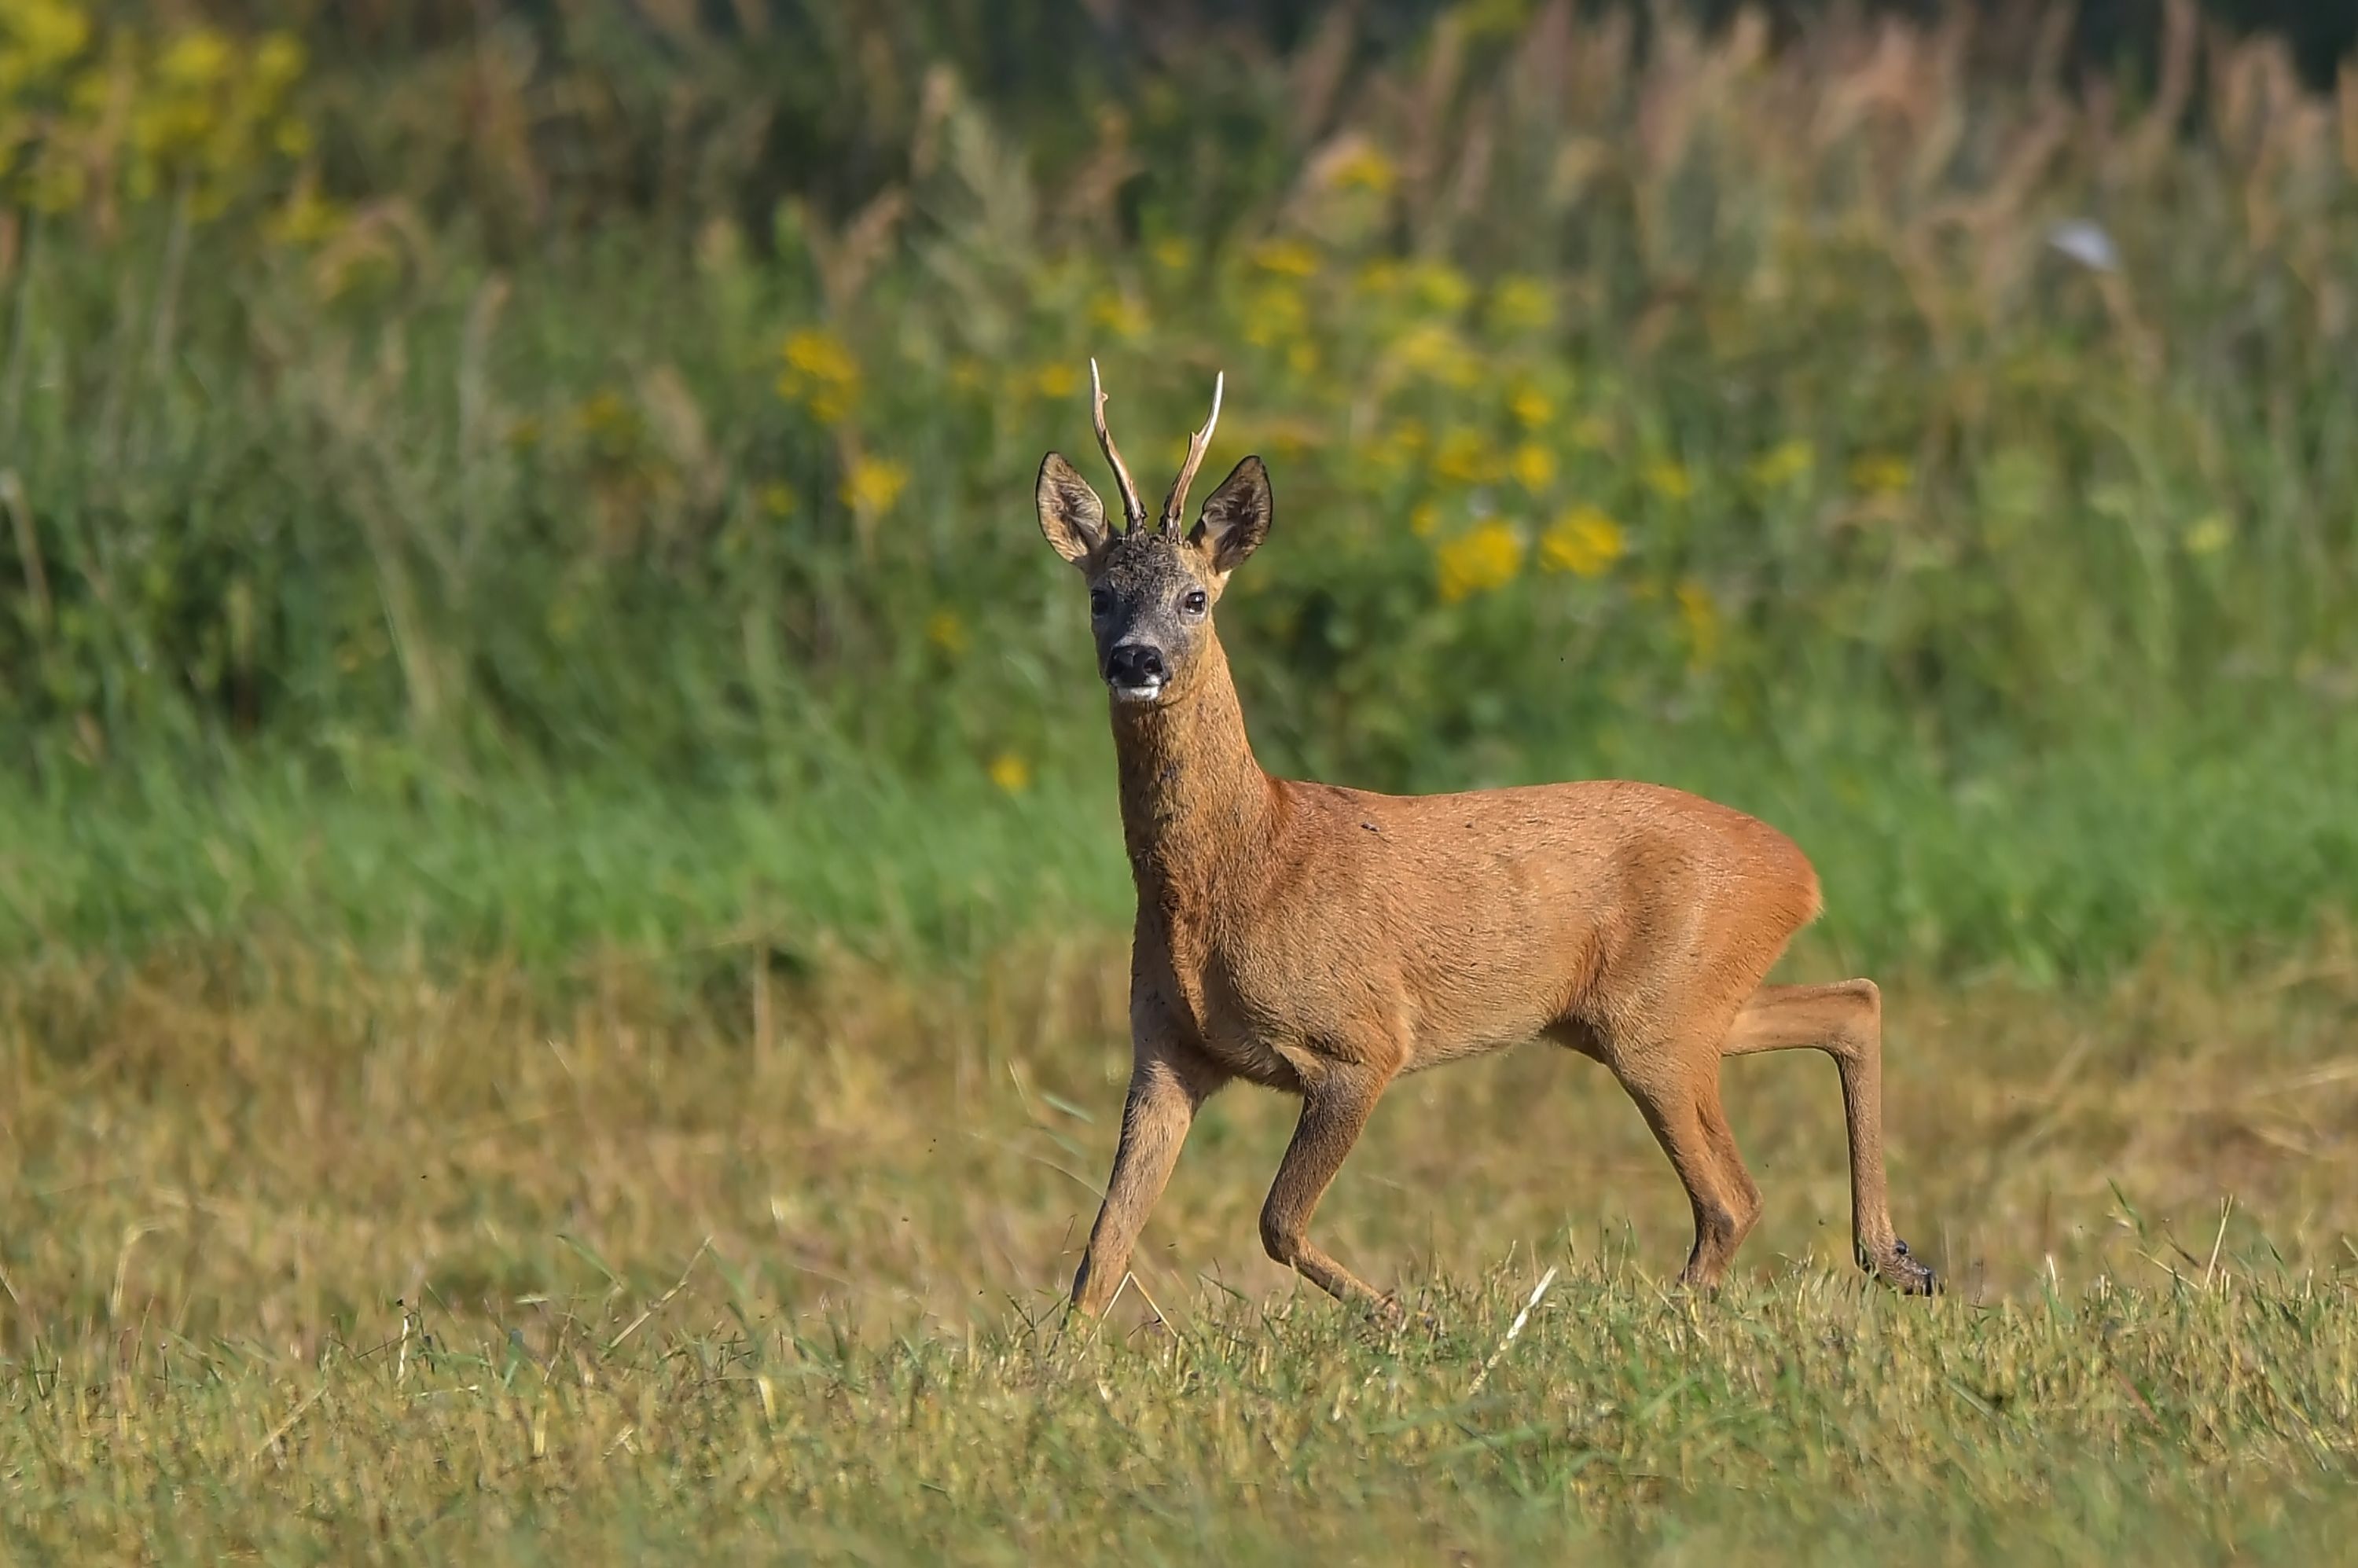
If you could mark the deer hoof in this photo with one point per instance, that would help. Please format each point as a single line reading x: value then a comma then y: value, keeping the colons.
x: 1902, y: 1273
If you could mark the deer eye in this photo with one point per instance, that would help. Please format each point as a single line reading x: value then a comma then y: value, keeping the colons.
x: 1195, y: 603
x: 1100, y: 602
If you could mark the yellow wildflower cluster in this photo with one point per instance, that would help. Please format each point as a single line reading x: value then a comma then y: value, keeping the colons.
x: 1463, y: 456
x: 1787, y: 463
x: 1522, y: 304
x: 871, y: 485
x: 1531, y: 406
x: 1011, y: 772
x: 820, y: 374
x: 1119, y: 314
x: 1533, y: 467
x: 1287, y: 258
x: 87, y: 117
x: 1881, y: 473
x: 1363, y: 168
x: 1668, y: 480
x: 1432, y: 352
x: 947, y: 630
x: 1486, y: 558
x: 1584, y: 542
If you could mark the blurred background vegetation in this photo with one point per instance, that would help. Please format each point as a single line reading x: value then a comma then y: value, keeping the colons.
x: 559, y: 473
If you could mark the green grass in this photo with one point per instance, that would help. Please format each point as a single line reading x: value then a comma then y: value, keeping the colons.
x: 1811, y: 1420
x: 311, y: 1258
x: 2071, y: 861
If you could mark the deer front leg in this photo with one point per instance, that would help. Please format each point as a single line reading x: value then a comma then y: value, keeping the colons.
x: 1334, y: 1109
x: 1166, y: 1084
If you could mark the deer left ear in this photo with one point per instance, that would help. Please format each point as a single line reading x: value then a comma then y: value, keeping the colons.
x: 1236, y: 517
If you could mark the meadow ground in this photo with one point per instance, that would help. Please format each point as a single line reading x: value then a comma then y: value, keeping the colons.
x: 311, y: 1259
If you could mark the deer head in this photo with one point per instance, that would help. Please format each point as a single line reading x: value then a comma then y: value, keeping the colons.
x: 1152, y: 590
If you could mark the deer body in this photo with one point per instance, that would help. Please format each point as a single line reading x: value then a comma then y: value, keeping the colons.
x: 1324, y: 941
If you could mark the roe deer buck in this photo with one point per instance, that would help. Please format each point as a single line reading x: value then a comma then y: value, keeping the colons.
x: 1323, y: 940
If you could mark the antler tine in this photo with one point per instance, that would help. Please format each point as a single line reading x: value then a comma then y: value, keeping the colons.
x: 1197, y: 445
x: 1134, y: 510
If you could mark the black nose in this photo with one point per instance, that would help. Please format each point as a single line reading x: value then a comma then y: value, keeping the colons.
x: 1134, y: 664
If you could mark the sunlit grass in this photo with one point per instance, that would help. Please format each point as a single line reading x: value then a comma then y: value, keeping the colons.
x: 305, y: 1255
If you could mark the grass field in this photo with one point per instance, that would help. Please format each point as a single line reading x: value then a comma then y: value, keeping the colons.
x: 311, y: 1262
x: 562, y: 919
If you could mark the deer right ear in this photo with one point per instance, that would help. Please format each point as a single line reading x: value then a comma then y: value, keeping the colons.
x: 1236, y: 517
x: 1071, y: 516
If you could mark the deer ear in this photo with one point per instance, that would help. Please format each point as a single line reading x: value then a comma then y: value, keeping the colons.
x: 1071, y: 516
x: 1236, y: 517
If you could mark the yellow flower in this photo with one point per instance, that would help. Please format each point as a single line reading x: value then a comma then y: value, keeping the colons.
x: 1434, y: 352
x: 1522, y: 304
x: 277, y: 61
x: 1056, y: 380
x: 1531, y: 406
x: 820, y: 373
x: 1287, y: 258
x: 196, y: 58
x: 1275, y: 314
x: 1011, y: 772
x: 1880, y: 473
x: 1584, y: 542
x: 2210, y: 536
x: 1424, y: 518
x: 1533, y: 466
x: 1440, y: 287
x: 1487, y: 559
x: 1666, y: 479
x: 45, y: 34
x: 1173, y: 255
x: 1364, y: 168
x: 1378, y: 277
x: 1302, y: 359
x: 1700, y: 614
x: 1123, y: 317
x: 873, y: 484
x: 777, y: 500
x: 306, y: 220
x: 1782, y: 464
x: 1465, y: 455
x: 603, y: 415
x: 946, y: 632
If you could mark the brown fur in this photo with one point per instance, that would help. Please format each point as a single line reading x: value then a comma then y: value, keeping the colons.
x: 1325, y: 941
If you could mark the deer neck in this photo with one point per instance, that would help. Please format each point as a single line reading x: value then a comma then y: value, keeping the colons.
x: 1193, y: 800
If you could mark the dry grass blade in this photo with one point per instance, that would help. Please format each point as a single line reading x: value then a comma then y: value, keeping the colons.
x: 1513, y: 1329
x: 663, y: 1301
x: 287, y: 1425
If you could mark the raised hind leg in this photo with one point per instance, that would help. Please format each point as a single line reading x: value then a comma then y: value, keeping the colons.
x: 1845, y: 1019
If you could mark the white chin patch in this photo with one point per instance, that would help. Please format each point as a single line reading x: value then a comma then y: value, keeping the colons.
x: 1147, y: 693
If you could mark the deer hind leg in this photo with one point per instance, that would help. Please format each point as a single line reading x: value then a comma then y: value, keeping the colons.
x: 1681, y: 1103
x: 1845, y: 1019
x: 1334, y: 1109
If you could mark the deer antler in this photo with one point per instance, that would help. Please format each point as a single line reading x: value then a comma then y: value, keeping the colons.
x: 1134, y: 510
x: 1197, y: 445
